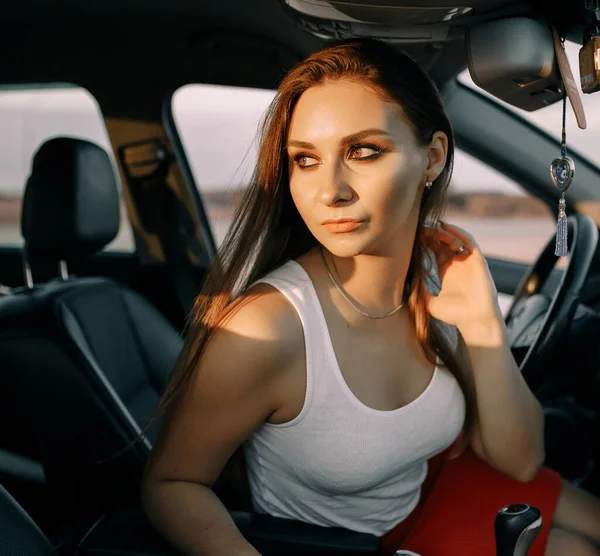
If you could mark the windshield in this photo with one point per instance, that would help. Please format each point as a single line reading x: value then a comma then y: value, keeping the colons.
x: 584, y: 141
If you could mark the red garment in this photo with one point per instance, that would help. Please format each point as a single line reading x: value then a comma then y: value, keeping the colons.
x: 459, y: 502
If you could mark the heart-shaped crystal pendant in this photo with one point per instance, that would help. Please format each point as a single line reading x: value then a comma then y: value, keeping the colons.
x: 562, y: 171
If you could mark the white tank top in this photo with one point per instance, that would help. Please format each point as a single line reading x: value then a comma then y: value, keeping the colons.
x: 340, y: 462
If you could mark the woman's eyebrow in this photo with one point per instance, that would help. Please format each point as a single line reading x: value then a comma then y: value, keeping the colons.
x: 359, y: 136
x: 348, y: 140
x: 299, y: 144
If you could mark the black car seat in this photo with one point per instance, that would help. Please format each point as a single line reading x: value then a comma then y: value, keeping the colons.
x: 88, y: 357
x: 19, y: 535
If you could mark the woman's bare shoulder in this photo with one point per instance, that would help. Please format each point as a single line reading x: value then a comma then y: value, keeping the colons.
x: 265, y: 314
x: 240, y: 382
x: 263, y: 332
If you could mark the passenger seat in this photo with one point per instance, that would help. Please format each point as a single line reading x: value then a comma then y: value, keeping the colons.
x: 87, y: 357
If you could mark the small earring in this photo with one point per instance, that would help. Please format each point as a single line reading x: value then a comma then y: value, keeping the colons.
x: 428, y: 184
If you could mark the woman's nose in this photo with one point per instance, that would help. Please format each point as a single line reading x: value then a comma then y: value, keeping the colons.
x: 335, y: 187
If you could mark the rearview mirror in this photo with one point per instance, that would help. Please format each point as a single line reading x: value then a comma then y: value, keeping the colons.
x: 514, y: 60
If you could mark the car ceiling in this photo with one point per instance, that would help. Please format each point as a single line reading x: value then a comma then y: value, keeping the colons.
x: 129, y: 52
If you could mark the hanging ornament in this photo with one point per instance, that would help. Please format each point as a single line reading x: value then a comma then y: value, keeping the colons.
x: 562, y: 170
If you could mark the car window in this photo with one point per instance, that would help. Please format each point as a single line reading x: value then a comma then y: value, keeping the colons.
x: 506, y: 221
x: 584, y: 141
x: 528, y: 229
x: 30, y: 116
x: 218, y: 127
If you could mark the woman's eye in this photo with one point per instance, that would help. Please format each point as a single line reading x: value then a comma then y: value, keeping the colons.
x: 363, y: 152
x: 305, y: 161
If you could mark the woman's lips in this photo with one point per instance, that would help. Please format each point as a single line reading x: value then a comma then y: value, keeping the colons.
x: 341, y: 226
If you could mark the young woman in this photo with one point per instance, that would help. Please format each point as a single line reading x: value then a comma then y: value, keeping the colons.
x: 352, y: 343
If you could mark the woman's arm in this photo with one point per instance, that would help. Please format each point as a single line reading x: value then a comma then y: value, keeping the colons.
x: 510, y: 431
x: 237, y: 386
x: 191, y: 517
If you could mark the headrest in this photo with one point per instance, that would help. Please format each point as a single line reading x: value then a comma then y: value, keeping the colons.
x: 71, y: 201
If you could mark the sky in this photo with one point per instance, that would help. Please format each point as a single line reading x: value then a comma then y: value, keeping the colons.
x: 218, y: 127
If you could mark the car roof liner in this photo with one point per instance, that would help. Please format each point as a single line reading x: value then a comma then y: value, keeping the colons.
x: 408, y: 21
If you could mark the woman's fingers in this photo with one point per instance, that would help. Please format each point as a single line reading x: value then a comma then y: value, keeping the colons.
x: 463, y: 236
x: 447, y: 238
x: 441, y: 251
x: 457, y: 239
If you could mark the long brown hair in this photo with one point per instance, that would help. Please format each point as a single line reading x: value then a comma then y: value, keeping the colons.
x: 267, y: 229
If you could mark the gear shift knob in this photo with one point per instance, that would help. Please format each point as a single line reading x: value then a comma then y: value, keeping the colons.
x: 517, y: 526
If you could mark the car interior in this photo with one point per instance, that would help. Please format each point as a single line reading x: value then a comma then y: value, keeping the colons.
x: 89, y: 336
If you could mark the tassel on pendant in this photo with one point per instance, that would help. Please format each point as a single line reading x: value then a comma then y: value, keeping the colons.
x: 562, y: 247
x: 562, y: 171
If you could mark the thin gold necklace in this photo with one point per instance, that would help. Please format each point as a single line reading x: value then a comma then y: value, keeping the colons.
x: 349, y: 299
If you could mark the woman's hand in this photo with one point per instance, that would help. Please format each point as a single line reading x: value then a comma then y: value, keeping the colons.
x: 468, y: 298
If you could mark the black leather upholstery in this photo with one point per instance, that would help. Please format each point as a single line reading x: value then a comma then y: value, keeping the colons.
x: 71, y: 202
x: 19, y: 535
x: 88, y: 357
